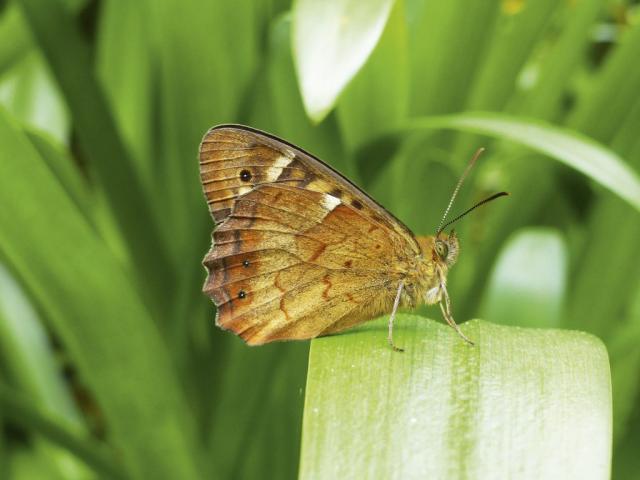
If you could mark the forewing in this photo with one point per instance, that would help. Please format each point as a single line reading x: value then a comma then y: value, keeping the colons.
x: 235, y: 159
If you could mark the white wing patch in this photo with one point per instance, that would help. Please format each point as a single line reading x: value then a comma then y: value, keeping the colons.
x: 275, y: 170
x: 329, y: 202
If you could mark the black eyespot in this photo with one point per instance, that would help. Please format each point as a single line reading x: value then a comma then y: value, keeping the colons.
x: 357, y: 204
x: 245, y: 263
x: 241, y: 294
x: 245, y: 175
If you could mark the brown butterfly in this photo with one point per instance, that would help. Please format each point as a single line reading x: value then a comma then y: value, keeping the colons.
x: 299, y: 251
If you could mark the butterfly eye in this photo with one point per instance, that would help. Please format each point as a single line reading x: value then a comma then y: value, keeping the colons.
x: 442, y: 250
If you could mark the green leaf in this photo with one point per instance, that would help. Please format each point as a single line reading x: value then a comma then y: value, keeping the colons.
x: 279, y: 108
x: 385, y: 78
x: 528, y: 283
x: 31, y: 363
x: 448, y: 43
x: 567, y: 146
x: 127, y: 79
x: 15, y: 40
x: 29, y: 93
x: 331, y: 42
x: 22, y: 411
x: 523, y: 403
x: 95, y: 310
x: 70, y: 60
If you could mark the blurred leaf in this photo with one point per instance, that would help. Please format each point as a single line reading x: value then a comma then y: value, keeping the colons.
x: 604, y: 282
x: 625, y: 363
x: 278, y: 107
x: 94, y: 308
x: 331, y: 42
x: 28, y: 92
x: 265, y: 389
x: 378, y: 97
x: 627, y: 461
x: 69, y: 57
x: 420, y: 182
x: 566, y: 55
x: 612, y: 95
x: 528, y: 283
x: 567, y: 146
x: 525, y: 403
x: 15, y: 40
x: 513, y: 40
x: 448, y: 43
x: 61, y: 165
x: 601, y: 286
x: 22, y: 411
x: 205, y: 54
x: 28, y: 353
x: 124, y: 63
x: 31, y: 363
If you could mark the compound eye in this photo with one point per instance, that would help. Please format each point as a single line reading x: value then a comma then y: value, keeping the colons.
x: 442, y: 250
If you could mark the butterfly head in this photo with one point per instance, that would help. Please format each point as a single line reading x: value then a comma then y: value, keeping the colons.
x: 445, y: 248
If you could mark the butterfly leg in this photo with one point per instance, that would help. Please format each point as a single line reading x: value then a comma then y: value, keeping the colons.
x: 446, y: 313
x: 393, y: 317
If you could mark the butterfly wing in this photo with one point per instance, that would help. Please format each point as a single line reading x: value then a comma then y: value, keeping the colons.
x: 299, y: 250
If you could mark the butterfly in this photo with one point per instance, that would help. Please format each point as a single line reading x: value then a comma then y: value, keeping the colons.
x: 299, y: 251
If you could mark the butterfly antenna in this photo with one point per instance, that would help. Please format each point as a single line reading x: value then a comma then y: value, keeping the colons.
x: 455, y: 191
x: 480, y: 203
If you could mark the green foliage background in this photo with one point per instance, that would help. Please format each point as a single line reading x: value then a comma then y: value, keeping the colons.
x: 110, y: 364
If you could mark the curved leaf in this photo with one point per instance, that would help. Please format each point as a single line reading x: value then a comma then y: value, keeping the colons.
x: 567, y: 146
x: 331, y: 41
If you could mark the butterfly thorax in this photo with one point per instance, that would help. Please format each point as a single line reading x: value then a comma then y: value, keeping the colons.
x: 425, y: 282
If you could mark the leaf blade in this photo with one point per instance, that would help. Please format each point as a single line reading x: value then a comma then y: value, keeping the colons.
x: 446, y: 410
x: 569, y: 147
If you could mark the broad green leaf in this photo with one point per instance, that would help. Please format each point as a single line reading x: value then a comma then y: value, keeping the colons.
x: 521, y: 403
x: 95, y: 310
x: 528, y: 283
x: 331, y: 42
x: 567, y: 146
